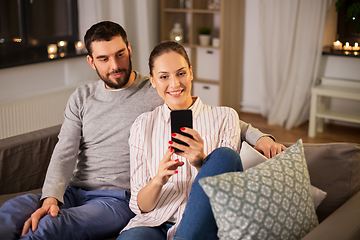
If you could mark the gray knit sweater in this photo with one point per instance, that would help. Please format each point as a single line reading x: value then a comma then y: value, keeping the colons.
x: 94, y: 137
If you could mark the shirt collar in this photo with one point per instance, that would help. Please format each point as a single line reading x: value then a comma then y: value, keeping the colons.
x: 196, y: 109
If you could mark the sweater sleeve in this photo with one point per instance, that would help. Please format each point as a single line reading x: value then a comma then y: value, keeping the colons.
x: 251, y: 134
x: 63, y: 160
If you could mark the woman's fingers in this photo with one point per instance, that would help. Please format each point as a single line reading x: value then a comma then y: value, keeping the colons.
x: 195, y: 151
x: 195, y: 143
x: 168, y: 167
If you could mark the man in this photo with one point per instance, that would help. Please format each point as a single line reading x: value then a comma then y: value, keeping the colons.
x: 94, y: 141
x: 91, y: 202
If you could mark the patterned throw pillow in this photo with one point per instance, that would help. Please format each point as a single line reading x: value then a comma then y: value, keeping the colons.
x: 269, y: 201
x: 251, y: 157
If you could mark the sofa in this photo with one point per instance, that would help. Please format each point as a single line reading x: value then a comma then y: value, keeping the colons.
x: 333, y: 168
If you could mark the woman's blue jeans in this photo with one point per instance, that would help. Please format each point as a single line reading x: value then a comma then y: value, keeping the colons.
x: 198, y: 220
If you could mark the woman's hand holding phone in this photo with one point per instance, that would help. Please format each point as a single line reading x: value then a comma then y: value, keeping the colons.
x: 195, y: 151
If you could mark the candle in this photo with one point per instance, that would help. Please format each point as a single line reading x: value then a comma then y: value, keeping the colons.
x: 62, y: 48
x: 347, y: 46
x: 337, y: 45
x: 62, y: 44
x: 356, y: 47
x: 79, y: 46
x: 51, y: 48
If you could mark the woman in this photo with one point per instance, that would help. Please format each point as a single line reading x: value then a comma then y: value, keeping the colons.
x: 165, y: 194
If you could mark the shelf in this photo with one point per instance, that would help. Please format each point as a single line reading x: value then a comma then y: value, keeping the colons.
x: 341, y: 53
x: 339, y: 116
x: 320, y: 96
x: 185, y: 10
x: 337, y: 92
x: 177, y: 10
x: 226, y: 24
x: 206, y: 81
x: 206, y: 11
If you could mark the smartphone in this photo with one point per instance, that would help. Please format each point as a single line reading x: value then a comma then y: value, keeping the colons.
x: 179, y: 119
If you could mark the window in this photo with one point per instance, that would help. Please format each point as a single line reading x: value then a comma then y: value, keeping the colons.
x: 28, y: 26
x: 347, y: 28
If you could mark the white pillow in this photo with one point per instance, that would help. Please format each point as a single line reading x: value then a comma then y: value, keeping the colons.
x: 318, y: 195
x: 251, y: 157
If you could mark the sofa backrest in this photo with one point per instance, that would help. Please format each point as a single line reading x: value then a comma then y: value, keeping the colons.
x: 24, y: 159
x: 335, y: 169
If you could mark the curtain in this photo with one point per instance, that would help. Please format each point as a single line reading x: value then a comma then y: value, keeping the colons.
x: 291, y: 33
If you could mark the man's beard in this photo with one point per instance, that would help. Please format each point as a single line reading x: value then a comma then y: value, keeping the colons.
x: 120, y: 83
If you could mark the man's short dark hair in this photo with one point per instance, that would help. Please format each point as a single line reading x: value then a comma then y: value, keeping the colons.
x: 103, y: 31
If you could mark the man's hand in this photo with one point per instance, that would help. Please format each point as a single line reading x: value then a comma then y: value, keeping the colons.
x: 49, y: 206
x: 268, y: 147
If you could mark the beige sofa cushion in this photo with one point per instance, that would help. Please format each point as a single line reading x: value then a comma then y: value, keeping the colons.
x: 334, y: 168
x: 24, y: 159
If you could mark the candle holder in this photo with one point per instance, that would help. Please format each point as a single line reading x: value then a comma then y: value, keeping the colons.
x: 62, y: 47
x: 176, y: 33
x: 356, y: 47
x: 347, y: 47
x: 337, y: 45
x: 79, y: 47
x: 52, y: 50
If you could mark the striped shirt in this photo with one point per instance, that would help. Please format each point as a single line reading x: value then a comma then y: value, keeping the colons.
x: 149, y: 137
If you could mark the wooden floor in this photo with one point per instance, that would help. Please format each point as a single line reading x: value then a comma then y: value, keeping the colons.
x: 332, y: 132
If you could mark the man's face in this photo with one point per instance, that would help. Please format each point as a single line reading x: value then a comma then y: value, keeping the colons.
x: 112, y: 62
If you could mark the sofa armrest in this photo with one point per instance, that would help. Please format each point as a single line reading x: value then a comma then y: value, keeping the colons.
x: 24, y: 159
x: 343, y: 224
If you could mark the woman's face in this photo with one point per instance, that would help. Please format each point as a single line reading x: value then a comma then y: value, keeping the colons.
x: 172, y: 80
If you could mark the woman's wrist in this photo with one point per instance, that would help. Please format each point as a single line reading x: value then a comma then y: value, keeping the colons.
x: 198, y: 164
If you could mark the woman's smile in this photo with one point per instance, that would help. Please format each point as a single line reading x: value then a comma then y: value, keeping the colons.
x: 175, y: 93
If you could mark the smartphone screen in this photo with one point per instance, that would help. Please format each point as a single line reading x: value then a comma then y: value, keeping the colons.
x: 179, y: 119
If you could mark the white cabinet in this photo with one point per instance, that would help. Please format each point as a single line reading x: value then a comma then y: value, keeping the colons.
x: 208, y: 93
x: 208, y: 64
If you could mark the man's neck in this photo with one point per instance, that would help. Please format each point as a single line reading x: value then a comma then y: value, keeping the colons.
x: 131, y: 79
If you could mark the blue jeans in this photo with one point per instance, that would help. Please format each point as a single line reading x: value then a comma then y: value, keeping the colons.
x: 85, y: 215
x: 198, y: 221
x: 148, y: 233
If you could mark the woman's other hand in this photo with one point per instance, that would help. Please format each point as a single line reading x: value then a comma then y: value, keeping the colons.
x: 149, y: 195
x: 167, y: 168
